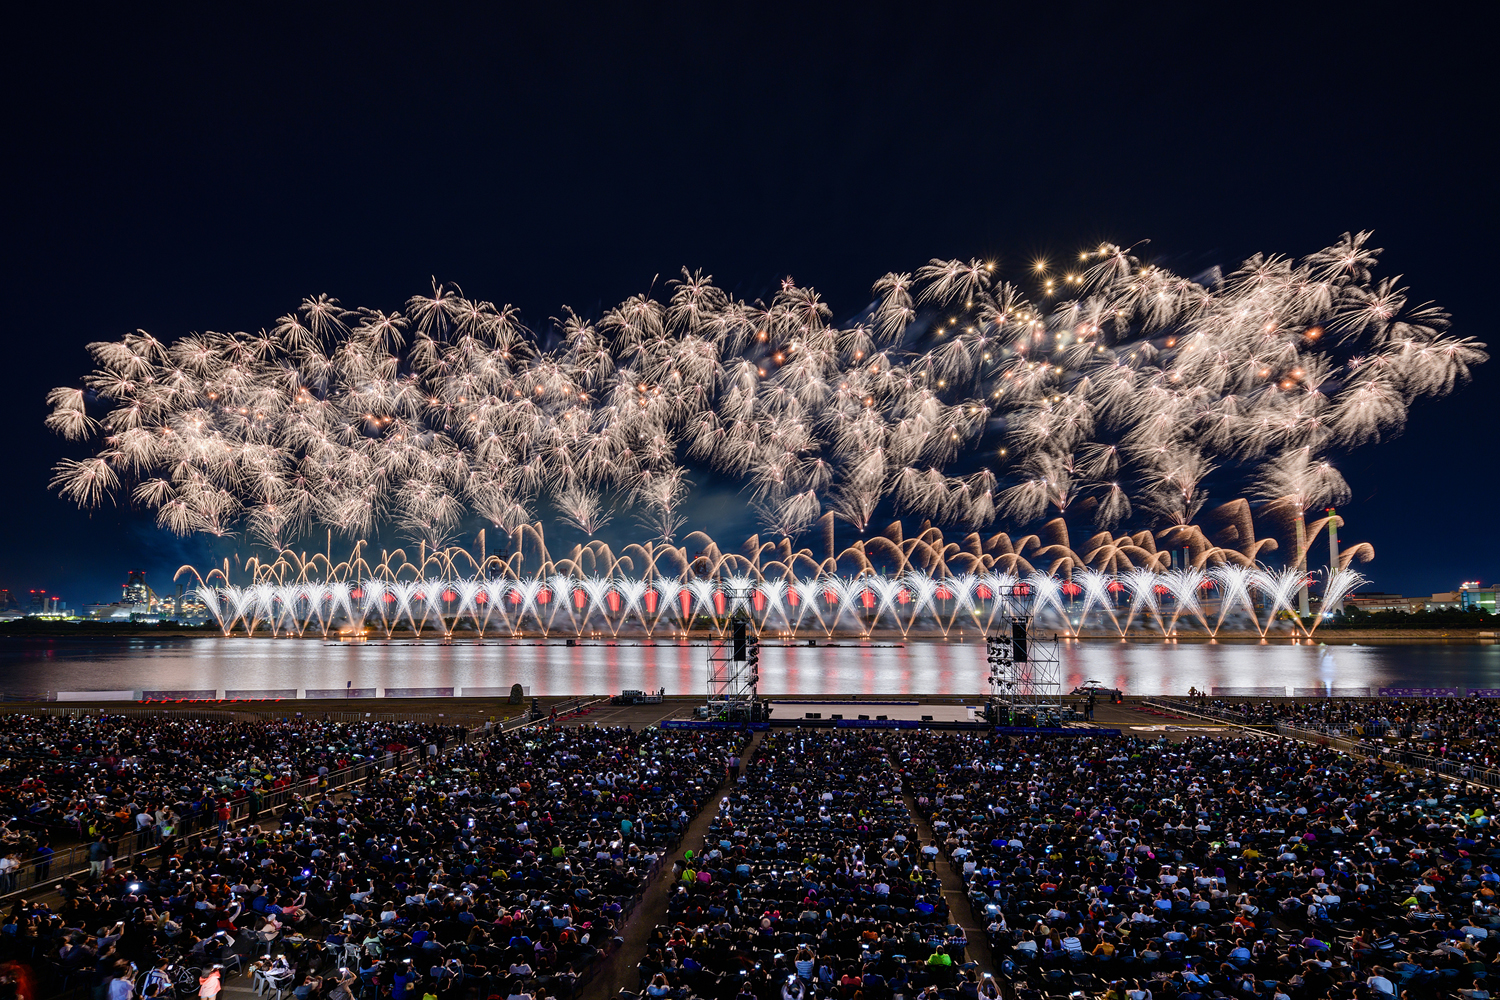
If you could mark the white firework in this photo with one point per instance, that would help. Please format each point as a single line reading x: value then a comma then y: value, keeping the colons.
x: 1119, y: 391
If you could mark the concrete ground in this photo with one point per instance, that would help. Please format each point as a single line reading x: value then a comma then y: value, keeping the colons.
x: 634, y: 716
x: 1129, y: 718
x: 1132, y: 719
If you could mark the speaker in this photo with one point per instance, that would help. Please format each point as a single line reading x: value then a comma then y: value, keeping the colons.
x: 1018, y: 641
x: 880, y: 718
x: 926, y: 718
x: 865, y: 718
x: 814, y: 715
x: 837, y: 718
x: 739, y: 641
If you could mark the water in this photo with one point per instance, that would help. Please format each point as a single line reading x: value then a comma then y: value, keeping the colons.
x: 240, y: 664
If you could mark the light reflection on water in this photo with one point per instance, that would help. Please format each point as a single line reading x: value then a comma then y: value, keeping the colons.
x: 32, y: 665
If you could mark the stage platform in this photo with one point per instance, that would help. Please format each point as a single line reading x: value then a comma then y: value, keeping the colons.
x: 872, y: 710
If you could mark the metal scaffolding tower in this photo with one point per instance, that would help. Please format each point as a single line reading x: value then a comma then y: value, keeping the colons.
x: 734, y: 673
x: 1025, y: 672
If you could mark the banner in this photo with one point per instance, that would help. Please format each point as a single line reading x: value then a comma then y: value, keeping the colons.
x: 206, y: 694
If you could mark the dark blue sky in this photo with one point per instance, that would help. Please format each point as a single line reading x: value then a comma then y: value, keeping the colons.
x: 208, y: 167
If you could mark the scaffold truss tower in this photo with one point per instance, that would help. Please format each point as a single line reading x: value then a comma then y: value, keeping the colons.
x: 734, y: 671
x: 1025, y: 674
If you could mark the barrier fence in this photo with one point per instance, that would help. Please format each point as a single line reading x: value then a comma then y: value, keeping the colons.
x: 74, y: 860
x: 1362, y: 729
x: 1462, y: 770
x: 1353, y: 738
x: 253, y: 695
x: 251, y: 713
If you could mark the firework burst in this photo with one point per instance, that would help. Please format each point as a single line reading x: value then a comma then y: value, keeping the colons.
x: 1116, y: 391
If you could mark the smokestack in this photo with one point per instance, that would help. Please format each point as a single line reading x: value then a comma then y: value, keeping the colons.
x: 1333, y: 553
x: 1303, y: 608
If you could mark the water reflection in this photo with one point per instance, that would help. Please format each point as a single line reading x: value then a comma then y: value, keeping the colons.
x: 29, y: 666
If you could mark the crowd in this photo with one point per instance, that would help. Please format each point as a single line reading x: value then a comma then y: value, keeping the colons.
x: 1463, y: 732
x: 1233, y: 867
x: 812, y: 881
x: 1125, y: 868
x: 1430, y: 720
x: 502, y: 868
x: 93, y: 775
x: 1122, y: 868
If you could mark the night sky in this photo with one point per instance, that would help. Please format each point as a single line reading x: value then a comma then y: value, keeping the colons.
x: 209, y: 167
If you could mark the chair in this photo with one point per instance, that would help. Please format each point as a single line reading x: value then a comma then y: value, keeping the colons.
x: 280, y: 984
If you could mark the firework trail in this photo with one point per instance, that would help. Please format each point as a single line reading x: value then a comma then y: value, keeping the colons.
x: 1114, y: 392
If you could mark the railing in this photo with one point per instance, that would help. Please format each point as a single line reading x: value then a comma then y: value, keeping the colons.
x: 1355, y: 744
x: 1380, y: 728
x: 75, y: 860
x: 1227, y: 714
x: 186, y: 711
x: 1464, y: 770
x: 248, y: 712
x: 608, y: 950
x: 1338, y: 728
x: 1206, y: 711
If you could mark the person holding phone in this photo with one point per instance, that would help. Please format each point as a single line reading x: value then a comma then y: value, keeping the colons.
x: 210, y: 985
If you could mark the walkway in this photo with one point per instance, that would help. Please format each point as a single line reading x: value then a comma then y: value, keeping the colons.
x: 953, y: 892
x: 619, y: 971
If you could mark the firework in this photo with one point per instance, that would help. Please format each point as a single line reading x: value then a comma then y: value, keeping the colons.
x: 913, y: 587
x: 1118, y: 391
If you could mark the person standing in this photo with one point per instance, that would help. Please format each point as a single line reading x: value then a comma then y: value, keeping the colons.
x: 44, y: 854
x: 99, y: 857
x: 210, y: 985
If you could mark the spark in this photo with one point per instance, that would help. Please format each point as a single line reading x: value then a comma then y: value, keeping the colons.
x: 451, y: 408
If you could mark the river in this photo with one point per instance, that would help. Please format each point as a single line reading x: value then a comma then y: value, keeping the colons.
x: 244, y: 667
